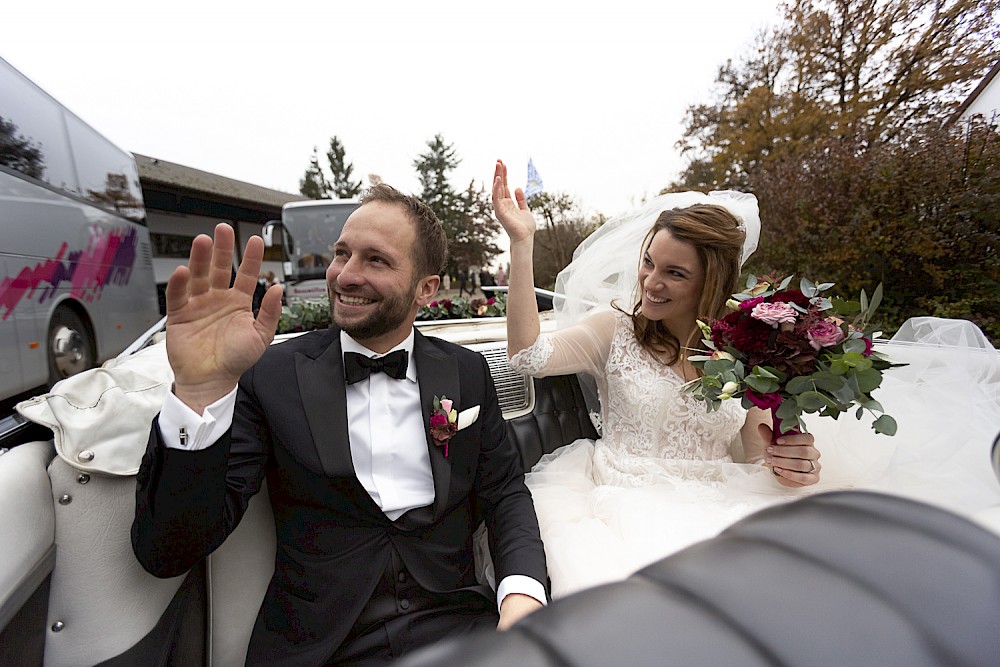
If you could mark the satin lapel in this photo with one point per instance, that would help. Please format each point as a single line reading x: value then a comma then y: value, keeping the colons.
x: 324, y: 398
x: 438, y: 375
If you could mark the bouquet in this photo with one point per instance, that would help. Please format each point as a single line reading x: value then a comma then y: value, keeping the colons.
x: 793, y: 351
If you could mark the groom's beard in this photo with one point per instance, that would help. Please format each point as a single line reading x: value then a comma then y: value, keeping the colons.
x: 388, y: 313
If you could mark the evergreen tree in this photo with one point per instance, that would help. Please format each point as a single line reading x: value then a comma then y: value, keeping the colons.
x: 467, y: 217
x: 314, y: 184
x: 343, y: 187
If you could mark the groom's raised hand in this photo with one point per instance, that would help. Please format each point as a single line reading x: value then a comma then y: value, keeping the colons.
x: 212, y: 335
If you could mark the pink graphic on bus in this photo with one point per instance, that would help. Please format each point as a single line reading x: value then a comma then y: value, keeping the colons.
x: 107, y: 260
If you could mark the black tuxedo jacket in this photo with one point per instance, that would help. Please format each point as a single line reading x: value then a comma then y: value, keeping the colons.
x: 290, y: 426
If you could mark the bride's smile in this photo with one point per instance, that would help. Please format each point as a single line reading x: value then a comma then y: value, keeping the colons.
x: 672, y: 278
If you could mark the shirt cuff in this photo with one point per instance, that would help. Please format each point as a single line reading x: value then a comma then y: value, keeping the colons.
x: 183, y: 428
x: 520, y: 583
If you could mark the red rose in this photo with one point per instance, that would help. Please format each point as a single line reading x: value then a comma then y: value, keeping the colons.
x: 439, y: 419
x: 790, y: 296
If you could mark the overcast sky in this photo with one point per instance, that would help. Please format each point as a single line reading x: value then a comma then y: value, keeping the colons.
x: 594, y: 92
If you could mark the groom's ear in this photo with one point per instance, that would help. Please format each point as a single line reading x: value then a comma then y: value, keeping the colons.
x: 427, y: 288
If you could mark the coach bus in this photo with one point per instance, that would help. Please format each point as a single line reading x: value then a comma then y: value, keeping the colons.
x: 77, y: 276
x: 308, y: 231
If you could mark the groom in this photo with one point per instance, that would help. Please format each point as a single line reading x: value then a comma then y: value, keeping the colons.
x: 374, y: 516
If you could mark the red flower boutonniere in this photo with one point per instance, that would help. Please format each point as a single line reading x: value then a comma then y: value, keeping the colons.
x: 444, y: 422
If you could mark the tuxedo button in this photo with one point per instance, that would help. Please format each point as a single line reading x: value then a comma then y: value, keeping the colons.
x: 402, y: 577
x: 404, y: 604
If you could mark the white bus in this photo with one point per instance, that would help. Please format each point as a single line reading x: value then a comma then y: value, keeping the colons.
x: 309, y: 229
x: 77, y: 276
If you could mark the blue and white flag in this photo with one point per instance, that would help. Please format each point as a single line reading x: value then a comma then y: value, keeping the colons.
x: 534, y: 186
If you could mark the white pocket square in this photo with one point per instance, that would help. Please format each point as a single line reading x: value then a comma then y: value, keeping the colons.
x: 468, y: 417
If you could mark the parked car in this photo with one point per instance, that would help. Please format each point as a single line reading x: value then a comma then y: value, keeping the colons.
x: 72, y: 592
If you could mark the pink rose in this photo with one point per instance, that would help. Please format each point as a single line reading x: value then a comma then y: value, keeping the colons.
x: 868, y: 346
x: 446, y: 404
x: 824, y: 334
x: 773, y: 313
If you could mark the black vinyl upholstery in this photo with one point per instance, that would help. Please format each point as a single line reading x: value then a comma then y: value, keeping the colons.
x: 845, y: 578
x: 558, y: 418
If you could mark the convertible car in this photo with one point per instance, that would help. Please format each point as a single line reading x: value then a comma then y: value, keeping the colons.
x: 839, y: 578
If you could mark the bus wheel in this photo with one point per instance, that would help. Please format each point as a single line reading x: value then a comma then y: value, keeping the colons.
x: 71, y: 349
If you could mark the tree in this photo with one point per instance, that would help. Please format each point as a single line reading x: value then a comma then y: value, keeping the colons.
x: 561, y: 228
x: 467, y: 217
x: 343, y: 187
x: 314, y: 184
x: 19, y: 152
x: 862, y: 70
x: 837, y: 120
x: 472, y: 240
x: 920, y: 216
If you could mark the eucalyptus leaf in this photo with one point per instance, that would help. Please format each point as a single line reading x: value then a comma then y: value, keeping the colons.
x: 785, y: 283
x: 885, y: 424
x: 787, y: 409
x: 822, y: 287
x: 761, y: 385
x: 751, y: 281
x: 789, y: 425
x: 811, y: 401
x: 807, y: 287
x: 855, y: 345
x: 839, y: 367
x: 799, y: 384
x: 868, y: 380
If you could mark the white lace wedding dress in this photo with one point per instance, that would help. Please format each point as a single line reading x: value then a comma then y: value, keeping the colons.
x: 662, y: 475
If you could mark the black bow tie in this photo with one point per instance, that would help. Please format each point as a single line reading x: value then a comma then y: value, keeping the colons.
x: 357, y: 367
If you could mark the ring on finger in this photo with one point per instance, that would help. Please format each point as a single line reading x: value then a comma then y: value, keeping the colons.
x: 774, y: 471
x: 812, y: 467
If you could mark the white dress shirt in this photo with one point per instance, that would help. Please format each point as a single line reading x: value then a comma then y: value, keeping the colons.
x: 387, y: 438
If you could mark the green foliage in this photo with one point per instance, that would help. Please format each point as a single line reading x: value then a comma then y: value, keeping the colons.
x: 314, y: 184
x: 315, y: 314
x: 817, y: 360
x: 343, y: 187
x: 840, y: 121
x: 460, y: 308
x: 467, y: 216
x: 305, y: 316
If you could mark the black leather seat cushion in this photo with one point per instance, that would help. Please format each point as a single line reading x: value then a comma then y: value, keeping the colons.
x: 558, y: 418
x: 846, y: 578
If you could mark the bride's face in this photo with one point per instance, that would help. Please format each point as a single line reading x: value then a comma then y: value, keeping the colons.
x: 672, y: 277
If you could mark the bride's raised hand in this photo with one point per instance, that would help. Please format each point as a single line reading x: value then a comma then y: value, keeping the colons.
x: 512, y: 211
x: 212, y: 334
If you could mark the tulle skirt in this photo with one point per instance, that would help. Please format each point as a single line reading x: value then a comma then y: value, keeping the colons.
x: 598, y: 528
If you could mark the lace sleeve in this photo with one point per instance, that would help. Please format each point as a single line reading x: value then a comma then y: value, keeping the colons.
x: 582, y: 348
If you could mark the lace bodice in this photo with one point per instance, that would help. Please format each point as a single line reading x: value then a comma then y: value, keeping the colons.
x: 645, y: 413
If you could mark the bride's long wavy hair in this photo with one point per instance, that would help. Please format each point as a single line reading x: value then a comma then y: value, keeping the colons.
x: 716, y: 236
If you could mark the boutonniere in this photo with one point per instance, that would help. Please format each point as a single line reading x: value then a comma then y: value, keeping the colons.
x: 444, y: 422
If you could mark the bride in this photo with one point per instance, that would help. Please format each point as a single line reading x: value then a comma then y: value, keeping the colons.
x: 667, y: 473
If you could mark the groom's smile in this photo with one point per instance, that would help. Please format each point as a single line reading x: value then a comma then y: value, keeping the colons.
x: 371, y: 280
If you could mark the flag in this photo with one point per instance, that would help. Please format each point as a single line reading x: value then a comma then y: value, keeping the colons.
x: 534, y: 186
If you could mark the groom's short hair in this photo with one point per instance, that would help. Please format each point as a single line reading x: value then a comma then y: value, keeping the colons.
x: 431, y: 249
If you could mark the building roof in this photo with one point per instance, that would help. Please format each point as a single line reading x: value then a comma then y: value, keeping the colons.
x: 155, y: 170
x: 983, y: 85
